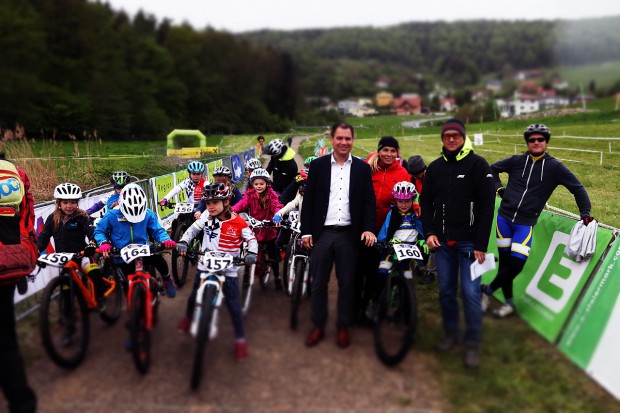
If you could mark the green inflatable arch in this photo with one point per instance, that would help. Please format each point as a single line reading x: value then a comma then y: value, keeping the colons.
x: 185, y: 132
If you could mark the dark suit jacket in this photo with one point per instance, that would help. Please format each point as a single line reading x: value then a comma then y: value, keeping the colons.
x: 316, y: 197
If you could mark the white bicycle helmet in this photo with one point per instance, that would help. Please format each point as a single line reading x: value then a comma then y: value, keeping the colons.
x: 67, y: 191
x: 260, y: 173
x: 274, y: 147
x: 132, y: 202
x: 404, y: 190
x: 252, y: 164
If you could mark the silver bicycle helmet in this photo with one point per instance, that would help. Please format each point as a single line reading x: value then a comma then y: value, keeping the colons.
x: 274, y: 147
x: 260, y: 173
x: 252, y: 164
x: 537, y: 128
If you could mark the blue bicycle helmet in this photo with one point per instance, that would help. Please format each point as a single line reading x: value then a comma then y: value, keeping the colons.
x: 195, y: 167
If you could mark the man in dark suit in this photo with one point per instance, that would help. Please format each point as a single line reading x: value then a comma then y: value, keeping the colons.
x: 338, y: 213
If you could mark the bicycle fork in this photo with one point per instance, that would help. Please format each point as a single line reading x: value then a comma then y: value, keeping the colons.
x: 219, y: 296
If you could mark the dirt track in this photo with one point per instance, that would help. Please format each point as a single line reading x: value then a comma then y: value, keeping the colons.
x: 280, y: 374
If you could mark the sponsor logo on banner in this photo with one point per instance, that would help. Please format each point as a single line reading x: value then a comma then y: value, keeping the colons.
x: 554, y: 285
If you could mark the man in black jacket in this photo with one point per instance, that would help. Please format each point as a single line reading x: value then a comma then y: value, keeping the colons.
x: 282, y: 164
x: 533, y: 176
x: 457, y: 215
x: 338, y: 213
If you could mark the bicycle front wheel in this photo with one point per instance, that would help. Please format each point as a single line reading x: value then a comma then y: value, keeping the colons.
x: 64, y: 322
x: 139, y: 334
x: 298, y: 285
x: 202, y: 337
x: 180, y: 264
x: 395, y: 322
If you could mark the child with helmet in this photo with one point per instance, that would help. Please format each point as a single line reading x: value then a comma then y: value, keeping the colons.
x: 250, y: 166
x: 70, y: 227
x: 401, y: 226
x: 118, y: 180
x: 221, y: 174
x: 192, y: 185
x: 262, y: 203
x: 133, y: 223
x: 223, y: 231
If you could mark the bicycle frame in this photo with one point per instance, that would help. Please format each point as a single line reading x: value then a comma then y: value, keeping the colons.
x: 144, y: 278
x: 298, y: 252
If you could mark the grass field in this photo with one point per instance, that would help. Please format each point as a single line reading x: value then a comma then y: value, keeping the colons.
x: 604, y: 74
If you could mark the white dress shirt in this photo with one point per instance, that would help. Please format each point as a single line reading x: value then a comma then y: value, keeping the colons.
x: 338, y: 212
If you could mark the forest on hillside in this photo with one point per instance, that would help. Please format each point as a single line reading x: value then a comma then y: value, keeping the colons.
x: 78, y: 68
x: 72, y: 67
x: 345, y: 62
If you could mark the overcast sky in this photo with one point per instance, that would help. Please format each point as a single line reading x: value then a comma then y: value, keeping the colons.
x: 244, y: 15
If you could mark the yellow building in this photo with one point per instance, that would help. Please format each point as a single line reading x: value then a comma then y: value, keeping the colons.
x: 384, y: 98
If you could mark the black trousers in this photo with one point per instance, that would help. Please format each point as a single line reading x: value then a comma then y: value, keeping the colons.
x: 20, y: 397
x: 340, y: 248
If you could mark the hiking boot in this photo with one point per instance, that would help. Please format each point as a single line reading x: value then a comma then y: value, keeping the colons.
x: 171, y: 290
x: 447, y: 343
x: 472, y: 356
x: 506, y: 310
x: 241, y: 350
x: 184, y: 325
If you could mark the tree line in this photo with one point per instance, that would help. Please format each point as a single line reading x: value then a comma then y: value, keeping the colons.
x: 347, y: 61
x: 73, y: 67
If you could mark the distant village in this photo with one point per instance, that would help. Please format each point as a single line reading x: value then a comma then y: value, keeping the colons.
x: 528, y: 97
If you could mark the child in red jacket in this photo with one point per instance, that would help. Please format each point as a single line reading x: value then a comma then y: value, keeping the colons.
x: 261, y: 203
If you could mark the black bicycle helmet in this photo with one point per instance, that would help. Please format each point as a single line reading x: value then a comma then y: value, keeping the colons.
x: 119, y: 179
x: 216, y: 191
x: 537, y: 128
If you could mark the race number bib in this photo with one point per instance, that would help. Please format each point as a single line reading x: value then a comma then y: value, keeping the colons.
x: 293, y: 216
x: 132, y: 251
x: 184, y: 208
x: 217, y: 261
x: 56, y: 259
x: 407, y: 252
x: 296, y: 226
x: 253, y: 222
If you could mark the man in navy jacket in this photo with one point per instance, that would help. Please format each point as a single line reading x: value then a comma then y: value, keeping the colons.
x: 338, y: 213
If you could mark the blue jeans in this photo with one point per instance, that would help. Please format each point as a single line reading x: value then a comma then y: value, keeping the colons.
x: 449, y: 261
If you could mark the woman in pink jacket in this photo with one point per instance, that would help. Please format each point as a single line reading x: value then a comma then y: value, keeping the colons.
x: 261, y: 203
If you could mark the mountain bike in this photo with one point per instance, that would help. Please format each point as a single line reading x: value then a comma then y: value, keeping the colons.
x: 143, y: 292
x: 209, y: 298
x: 395, y: 318
x: 65, y: 305
x: 181, y: 264
x: 298, y: 285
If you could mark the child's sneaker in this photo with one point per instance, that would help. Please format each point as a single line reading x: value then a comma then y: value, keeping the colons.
x: 241, y: 350
x: 171, y: 290
x: 184, y: 324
